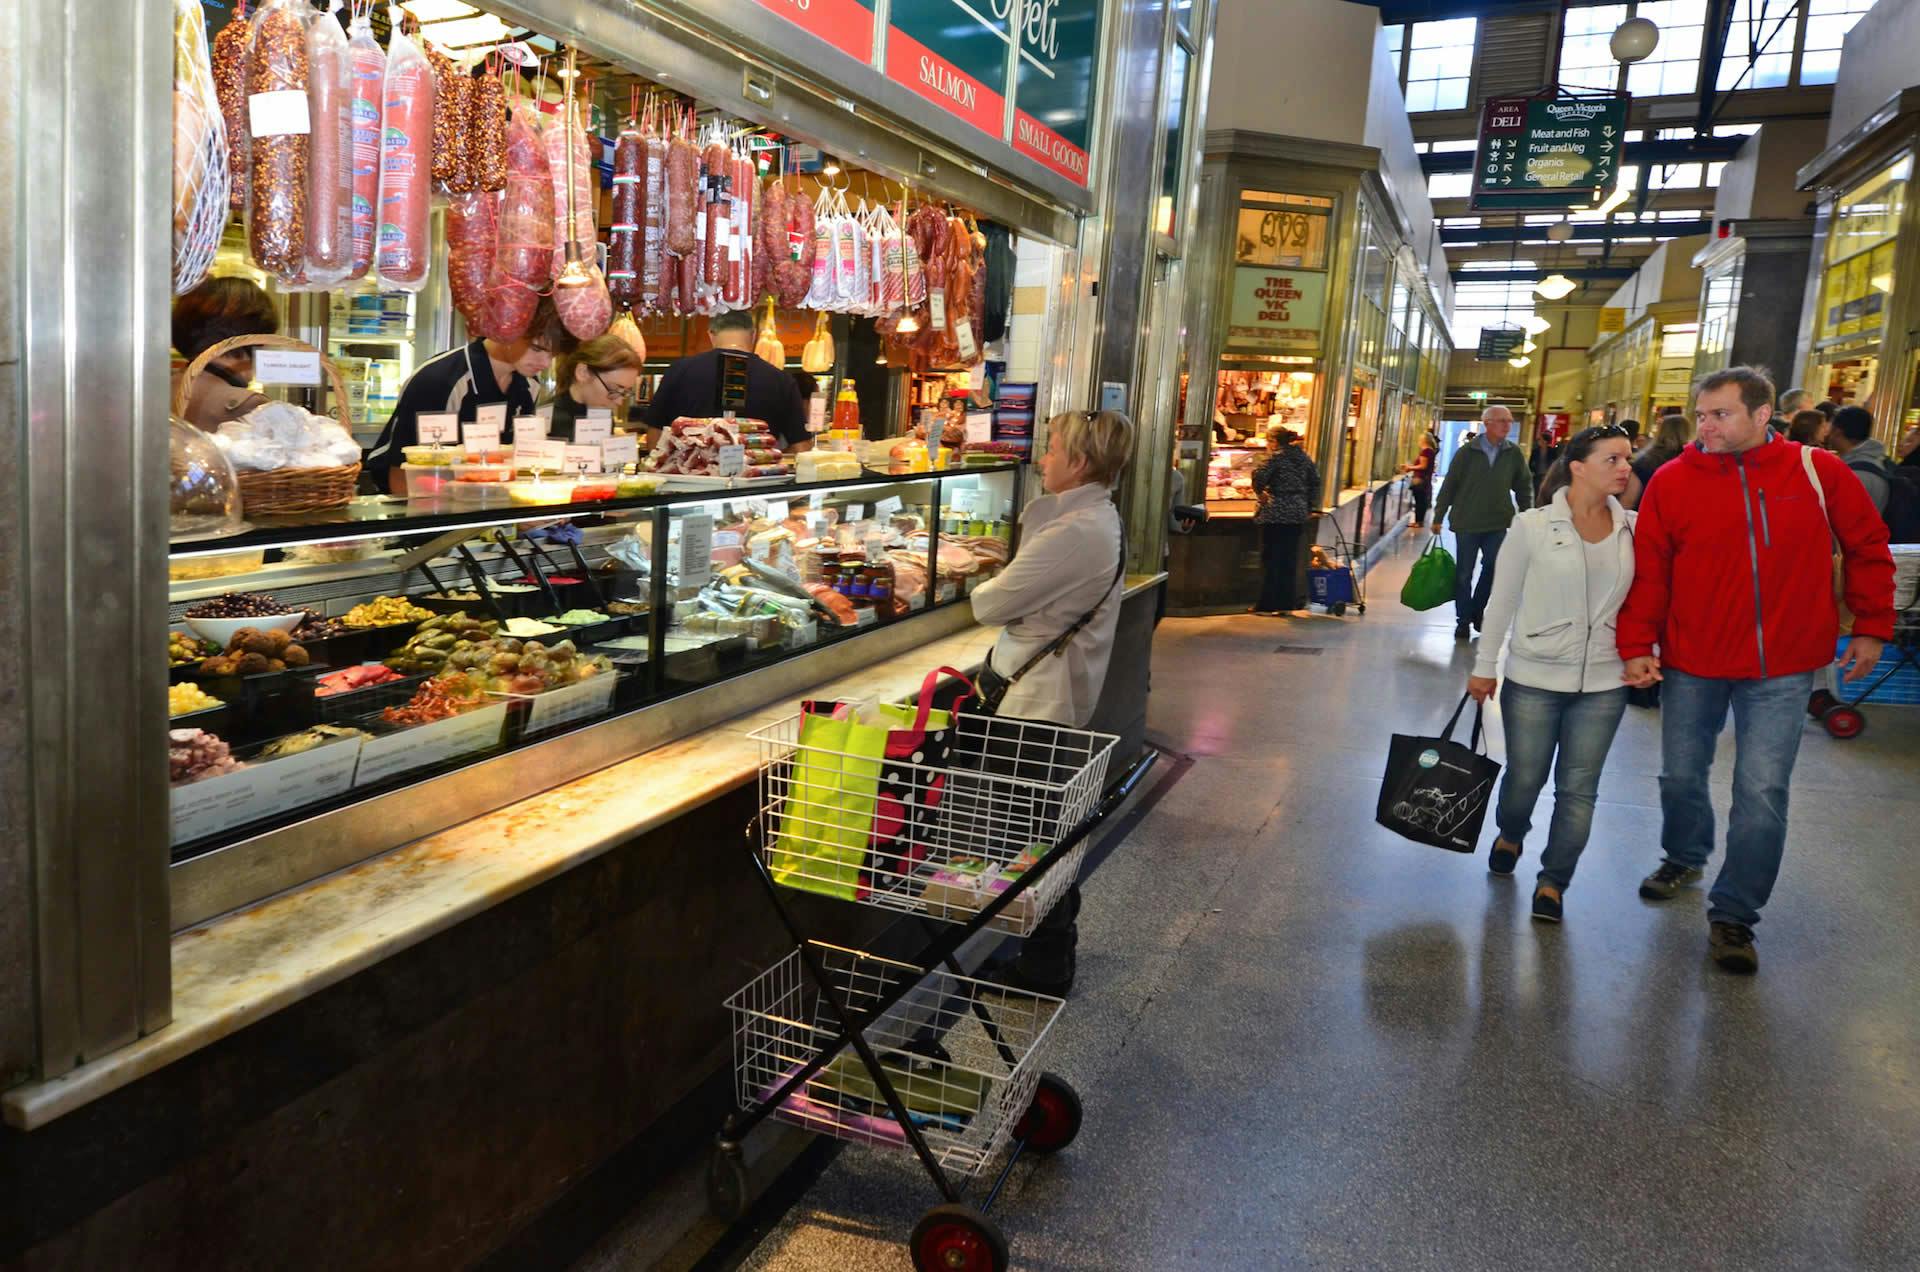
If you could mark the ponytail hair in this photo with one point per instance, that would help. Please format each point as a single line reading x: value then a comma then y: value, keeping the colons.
x: 1560, y: 475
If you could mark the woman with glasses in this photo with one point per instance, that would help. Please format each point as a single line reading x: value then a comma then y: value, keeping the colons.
x: 600, y: 375
x: 1563, y: 574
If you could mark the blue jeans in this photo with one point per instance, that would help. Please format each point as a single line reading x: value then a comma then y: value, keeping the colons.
x: 1579, y: 728
x: 1768, y: 716
x: 1469, y: 599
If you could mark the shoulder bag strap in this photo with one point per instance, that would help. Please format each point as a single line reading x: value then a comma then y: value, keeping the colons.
x: 1058, y: 644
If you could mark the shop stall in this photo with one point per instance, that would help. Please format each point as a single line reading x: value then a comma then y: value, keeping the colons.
x: 1645, y: 369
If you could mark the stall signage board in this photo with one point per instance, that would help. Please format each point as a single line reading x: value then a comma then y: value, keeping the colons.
x: 286, y: 366
x: 845, y: 24
x: 954, y: 54
x: 1275, y: 310
x: 1546, y: 152
x: 550, y: 710
x: 696, y: 551
x: 261, y: 790
x: 1053, y: 87
x: 1497, y: 344
x: 1613, y: 319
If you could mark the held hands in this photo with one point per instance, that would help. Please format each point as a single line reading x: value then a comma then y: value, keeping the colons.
x: 1480, y: 688
x: 1862, y: 655
x: 1642, y: 672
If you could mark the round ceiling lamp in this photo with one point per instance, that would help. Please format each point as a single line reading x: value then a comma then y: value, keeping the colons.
x: 1634, y: 40
x: 1560, y: 231
x: 1554, y: 287
x: 1535, y: 324
x: 1519, y: 362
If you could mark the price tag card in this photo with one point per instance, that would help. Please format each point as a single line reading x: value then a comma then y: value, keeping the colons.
x: 593, y: 430
x: 212, y: 804
x: 856, y: 512
x: 818, y: 499
x: 494, y: 415
x: 818, y: 525
x: 888, y: 506
x: 979, y: 426
x: 434, y: 743
x: 865, y: 617
x: 937, y: 302
x: 696, y: 551
x: 733, y: 460
x: 531, y: 428
x: 580, y: 459
x: 916, y: 602
x: 778, y: 510
x: 965, y: 500
x: 261, y: 790
x: 529, y: 456
x: 816, y: 414
x: 286, y: 366
x: 617, y: 452
x: 309, y: 777
x: 973, y: 581
x: 556, y: 707
x: 480, y: 437
x: 949, y: 592
x: 281, y: 113
x: 438, y: 429
x: 963, y: 340
x: 553, y: 455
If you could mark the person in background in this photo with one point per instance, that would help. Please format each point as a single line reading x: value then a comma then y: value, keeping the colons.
x: 1669, y: 437
x: 1908, y: 449
x: 1808, y: 427
x: 1287, y: 486
x: 485, y: 372
x: 1733, y: 586
x: 598, y: 375
x: 1420, y: 476
x: 1632, y: 430
x: 1068, y: 572
x: 1792, y: 402
x: 216, y: 310
x: 1852, y: 439
x: 1486, y: 482
x: 1565, y: 569
x: 691, y: 386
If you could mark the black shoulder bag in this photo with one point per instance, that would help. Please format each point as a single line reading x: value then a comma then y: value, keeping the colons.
x: 990, y: 687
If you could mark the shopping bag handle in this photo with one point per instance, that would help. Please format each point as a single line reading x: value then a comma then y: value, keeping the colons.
x: 1479, y: 714
x: 931, y: 683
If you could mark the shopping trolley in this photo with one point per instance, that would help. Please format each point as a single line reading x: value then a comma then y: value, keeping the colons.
x: 1339, y: 585
x: 1840, y: 714
x: 983, y: 824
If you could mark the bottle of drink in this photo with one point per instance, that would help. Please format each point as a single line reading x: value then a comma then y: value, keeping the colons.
x: 846, y: 411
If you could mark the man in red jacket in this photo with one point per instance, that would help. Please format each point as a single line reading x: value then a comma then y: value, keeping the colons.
x: 1733, y: 581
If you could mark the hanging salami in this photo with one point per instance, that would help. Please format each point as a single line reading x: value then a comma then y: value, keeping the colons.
x: 487, y: 129
x: 523, y: 250
x: 278, y: 140
x: 369, y: 70
x: 450, y: 113
x: 402, y: 243
x: 230, y: 54
x: 682, y: 180
x: 330, y: 158
x: 653, y: 224
x: 472, y: 227
x: 573, y: 222
x: 624, y: 235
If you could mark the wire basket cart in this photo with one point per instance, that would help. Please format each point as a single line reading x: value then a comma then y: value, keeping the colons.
x: 1342, y: 583
x: 975, y: 822
x: 1896, y: 681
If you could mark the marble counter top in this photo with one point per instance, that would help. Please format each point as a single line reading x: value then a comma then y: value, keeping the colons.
x: 242, y: 967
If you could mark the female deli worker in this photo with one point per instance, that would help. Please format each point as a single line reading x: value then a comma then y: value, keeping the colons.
x: 216, y: 310
x: 1065, y: 582
x: 460, y: 381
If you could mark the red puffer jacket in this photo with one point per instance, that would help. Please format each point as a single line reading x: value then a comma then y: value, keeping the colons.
x: 1733, y: 565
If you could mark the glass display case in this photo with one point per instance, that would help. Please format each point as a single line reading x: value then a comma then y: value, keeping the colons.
x: 323, y: 660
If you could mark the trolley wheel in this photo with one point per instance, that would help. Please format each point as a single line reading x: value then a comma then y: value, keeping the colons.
x: 1363, y: 607
x: 955, y: 1238
x: 1820, y: 701
x: 1337, y: 608
x: 1053, y: 1119
x: 1844, y: 722
x: 727, y: 1189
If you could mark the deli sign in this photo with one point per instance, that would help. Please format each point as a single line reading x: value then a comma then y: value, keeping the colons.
x: 1276, y: 310
x: 845, y: 24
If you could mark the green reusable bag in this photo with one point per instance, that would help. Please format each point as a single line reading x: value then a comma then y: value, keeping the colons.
x: 820, y: 844
x: 1430, y: 583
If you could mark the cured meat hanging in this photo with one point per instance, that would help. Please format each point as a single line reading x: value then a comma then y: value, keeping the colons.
x: 625, y: 233
x: 200, y: 173
x: 231, y: 51
x: 472, y: 228
x: 330, y: 153
x: 369, y: 69
x: 486, y: 140
x: 402, y: 243
x: 278, y: 141
x: 523, y: 252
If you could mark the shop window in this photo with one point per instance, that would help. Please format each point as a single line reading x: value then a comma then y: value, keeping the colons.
x: 1869, y: 213
x: 1762, y: 35
x: 1396, y: 41
x: 1439, y: 60
x: 1675, y: 176
x: 1585, y: 59
x: 1173, y: 129
x: 1449, y: 185
x: 1477, y: 305
x: 1674, y: 67
x: 1828, y: 22
x: 1283, y: 230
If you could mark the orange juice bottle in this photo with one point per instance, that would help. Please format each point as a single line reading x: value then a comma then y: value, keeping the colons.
x: 846, y: 411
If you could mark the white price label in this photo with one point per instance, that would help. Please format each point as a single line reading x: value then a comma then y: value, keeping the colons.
x: 286, y: 366
x: 581, y: 459
x: 888, y: 506
x: 816, y: 414
x: 476, y: 730
x: 556, y: 707
x: 937, y: 302
x: 494, y: 414
x: 865, y: 617
x: 916, y: 602
x: 732, y: 461
x: 437, y: 429
x: 530, y: 456
x: 592, y: 430
x: 963, y: 339
x: 977, y: 373
x: 777, y: 510
x: 261, y: 790
x: 979, y: 426
x: 531, y: 428
x: 817, y: 500
x: 948, y: 592
x: 856, y: 512
x: 617, y: 452
x: 281, y: 113
x: 696, y: 551
x: 818, y: 525
x: 965, y: 500
x: 480, y: 437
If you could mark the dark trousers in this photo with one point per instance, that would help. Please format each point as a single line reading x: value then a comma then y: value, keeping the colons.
x: 1280, y: 564
x: 1422, y: 500
x: 1470, y: 597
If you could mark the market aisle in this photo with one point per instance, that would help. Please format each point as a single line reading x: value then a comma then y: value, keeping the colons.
x: 1303, y: 1042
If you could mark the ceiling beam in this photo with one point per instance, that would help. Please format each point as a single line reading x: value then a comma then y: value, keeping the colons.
x: 1601, y: 232
x: 1642, y: 153
x: 1392, y: 11
x: 1579, y: 274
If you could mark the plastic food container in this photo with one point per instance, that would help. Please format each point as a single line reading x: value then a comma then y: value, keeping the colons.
x: 431, y: 456
x: 481, y: 472
x: 427, y: 481
x: 639, y: 484
x: 221, y: 630
x: 591, y: 488
x: 497, y: 455
x: 541, y: 491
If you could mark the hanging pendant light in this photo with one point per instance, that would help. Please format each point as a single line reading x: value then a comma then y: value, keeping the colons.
x: 574, y: 273
x: 1520, y: 361
x: 1554, y: 287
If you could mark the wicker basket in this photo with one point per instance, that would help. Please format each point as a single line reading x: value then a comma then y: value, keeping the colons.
x: 281, y: 491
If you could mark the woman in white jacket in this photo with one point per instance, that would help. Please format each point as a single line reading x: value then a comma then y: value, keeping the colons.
x: 1562, y: 575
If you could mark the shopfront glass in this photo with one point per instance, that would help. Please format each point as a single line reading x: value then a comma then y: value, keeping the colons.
x: 1859, y: 262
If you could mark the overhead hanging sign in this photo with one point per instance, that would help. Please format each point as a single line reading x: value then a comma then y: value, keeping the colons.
x: 1276, y: 311
x: 1613, y: 319
x: 1497, y: 344
x: 845, y: 24
x: 1547, y: 152
x: 955, y: 55
x: 1053, y: 83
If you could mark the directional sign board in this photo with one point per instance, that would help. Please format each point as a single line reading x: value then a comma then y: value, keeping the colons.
x: 1547, y: 152
x: 1497, y: 344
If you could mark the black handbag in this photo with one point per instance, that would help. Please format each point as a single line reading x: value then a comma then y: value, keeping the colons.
x: 1436, y: 791
x: 990, y: 687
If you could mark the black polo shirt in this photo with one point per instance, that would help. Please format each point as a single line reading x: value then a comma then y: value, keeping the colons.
x: 459, y: 381
x: 691, y: 387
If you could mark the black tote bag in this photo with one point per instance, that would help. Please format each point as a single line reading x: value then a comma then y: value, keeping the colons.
x: 1436, y: 791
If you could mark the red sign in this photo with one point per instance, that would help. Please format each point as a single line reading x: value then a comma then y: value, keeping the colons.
x: 1037, y: 141
x: 845, y: 24
x: 1553, y: 426
x: 912, y: 63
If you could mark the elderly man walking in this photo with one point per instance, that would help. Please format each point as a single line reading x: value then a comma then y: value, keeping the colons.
x: 1485, y: 485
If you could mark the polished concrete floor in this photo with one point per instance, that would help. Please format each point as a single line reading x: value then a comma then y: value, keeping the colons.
x: 1306, y: 1043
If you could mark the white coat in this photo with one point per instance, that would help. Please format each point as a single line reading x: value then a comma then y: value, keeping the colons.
x: 1561, y: 641
x: 1069, y: 556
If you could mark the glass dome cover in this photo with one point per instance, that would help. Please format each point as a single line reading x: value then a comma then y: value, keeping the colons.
x: 204, y: 492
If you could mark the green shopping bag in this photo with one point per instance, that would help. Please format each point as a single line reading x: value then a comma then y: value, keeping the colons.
x: 1431, y: 581
x: 826, y: 814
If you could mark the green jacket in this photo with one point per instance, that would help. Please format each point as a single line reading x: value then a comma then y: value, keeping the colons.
x: 1477, y: 490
